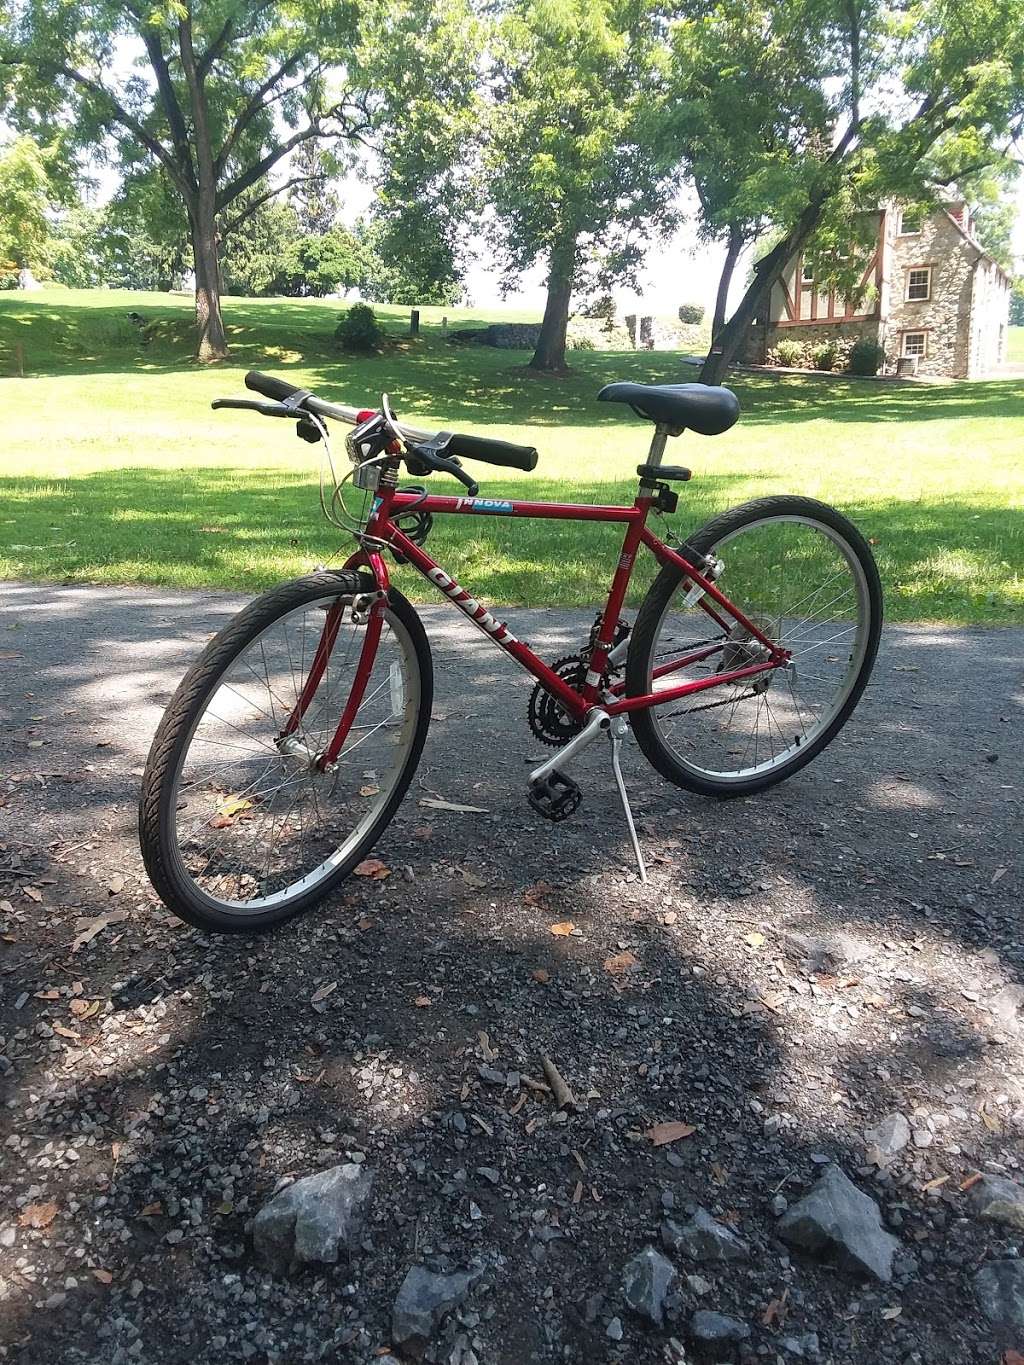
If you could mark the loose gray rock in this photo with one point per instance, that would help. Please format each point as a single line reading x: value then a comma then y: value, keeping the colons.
x: 717, y: 1329
x: 836, y: 1218
x: 614, y: 1330
x: 999, y: 1287
x: 1007, y: 1005
x: 825, y: 953
x: 887, y: 1139
x: 703, y: 1238
x: 998, y: 1200
x: 314, y: 1219
x: 425, y: 1300
x: 646, y: 1280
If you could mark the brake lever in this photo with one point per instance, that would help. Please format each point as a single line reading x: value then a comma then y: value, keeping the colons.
x: 425, y: 458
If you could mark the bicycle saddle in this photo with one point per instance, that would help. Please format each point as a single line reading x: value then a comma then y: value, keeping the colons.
x: 706, y: 408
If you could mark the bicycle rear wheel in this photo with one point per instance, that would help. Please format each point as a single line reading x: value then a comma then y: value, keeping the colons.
x: 805, y: 576
x: 241, y: 829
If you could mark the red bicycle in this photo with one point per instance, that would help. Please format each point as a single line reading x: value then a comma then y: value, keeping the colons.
x: 290, y: 743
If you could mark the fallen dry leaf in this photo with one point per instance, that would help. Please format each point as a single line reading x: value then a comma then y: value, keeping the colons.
x: 620, y: 963
x: 220, y: 822
x: 373, y: 868
x: 234, y: 805
x: 85, y: 1009
x: 38, y: 1215
x: 539, y: 974
x: 1011, y: 1357
x: 104, y: 1276
x: 755, y: 939
x: 423, y: 832
x: 116, y: 884
x: 422, y: 1001
x: 66, y: 1032
x: 33, y: 893
x: 151, y: 1210
x: 87, y: 929
x: 369, y: 790
x: 669, y: 1131
x: 433, y: 803
x: 775, y: 1312
x: 889, y: 1313
x: 563, y: 928
x: 323, y: 993
x: 971, y: 1180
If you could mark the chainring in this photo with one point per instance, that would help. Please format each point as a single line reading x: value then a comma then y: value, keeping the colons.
x: 547, y: 719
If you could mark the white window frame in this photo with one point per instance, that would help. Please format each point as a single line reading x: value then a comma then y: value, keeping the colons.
x: 926, y: 270
x: 910, y: 232
x: 917, y: 355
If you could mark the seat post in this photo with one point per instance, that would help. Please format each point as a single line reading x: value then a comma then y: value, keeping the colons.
x: 655, y: 455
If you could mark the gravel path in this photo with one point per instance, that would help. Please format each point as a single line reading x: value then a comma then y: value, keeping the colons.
x: 804, y: 964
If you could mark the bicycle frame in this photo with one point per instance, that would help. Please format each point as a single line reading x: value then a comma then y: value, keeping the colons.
x: 381, y: 533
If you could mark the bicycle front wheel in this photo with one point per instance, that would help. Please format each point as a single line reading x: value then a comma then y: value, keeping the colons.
x: 804, y: 575
x: 240, y: 827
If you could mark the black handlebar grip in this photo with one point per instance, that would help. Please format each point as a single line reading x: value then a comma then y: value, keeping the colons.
x: 493, y: 452
x: 278, y: 389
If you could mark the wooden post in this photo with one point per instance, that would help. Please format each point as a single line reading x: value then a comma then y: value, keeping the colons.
x: 414, y: 323
x: 647, y: 334
x: 444, y: 326
x: 631, y: 328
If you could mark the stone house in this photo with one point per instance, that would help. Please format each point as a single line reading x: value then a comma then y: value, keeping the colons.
x: 932, y: 297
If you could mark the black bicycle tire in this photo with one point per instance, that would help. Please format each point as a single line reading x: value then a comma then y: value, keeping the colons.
x: 174, y: 733
x: 643, y: 638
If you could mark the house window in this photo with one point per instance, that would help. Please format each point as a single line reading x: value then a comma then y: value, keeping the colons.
x: 910, y: 222
x: 807, y: 275
x: 919, y: 284
x: 915, y: 343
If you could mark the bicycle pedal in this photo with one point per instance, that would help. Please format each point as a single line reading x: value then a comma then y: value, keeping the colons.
x: 556, y: 796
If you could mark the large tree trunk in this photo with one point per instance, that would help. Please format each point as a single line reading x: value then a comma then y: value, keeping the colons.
x: 550, y: 353
x: 722, y: 299
x: 212, y: 341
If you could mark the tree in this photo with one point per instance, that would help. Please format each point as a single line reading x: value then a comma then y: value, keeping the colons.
x: 571, y: 169
x: 25, y: 194
x: 232, y: 88
x: 1017, y: 304
x: 256, y: 252
x: 315, y: 203
x: 895, y: 107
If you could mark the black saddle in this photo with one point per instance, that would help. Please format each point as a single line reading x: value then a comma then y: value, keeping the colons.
x: 706, y: 408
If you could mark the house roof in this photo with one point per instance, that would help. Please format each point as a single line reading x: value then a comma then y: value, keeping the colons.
x: 973, y: 241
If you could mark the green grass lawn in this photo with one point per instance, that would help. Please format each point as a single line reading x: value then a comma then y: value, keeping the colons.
x: 114, y: 469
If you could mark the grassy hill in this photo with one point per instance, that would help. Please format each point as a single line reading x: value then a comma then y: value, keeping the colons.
x: 114, y: 469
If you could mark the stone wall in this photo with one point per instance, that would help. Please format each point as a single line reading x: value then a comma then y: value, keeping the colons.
x: 764, y: 339
x: 946, y: 314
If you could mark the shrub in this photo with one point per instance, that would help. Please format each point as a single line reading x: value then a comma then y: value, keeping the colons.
x: 691, y: 313
x: 866, y: 357
x: 359, y: 329
x: 791, y: 353
x: 580, y: 342
x: 826, y: 356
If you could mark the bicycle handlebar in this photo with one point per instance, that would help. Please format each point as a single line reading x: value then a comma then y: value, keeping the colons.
x: 502, y: 453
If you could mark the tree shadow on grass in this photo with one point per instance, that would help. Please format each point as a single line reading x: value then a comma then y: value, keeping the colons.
x: 252, y: 528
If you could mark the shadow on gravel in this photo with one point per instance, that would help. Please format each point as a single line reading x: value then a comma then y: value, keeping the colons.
x: 213, y: 1067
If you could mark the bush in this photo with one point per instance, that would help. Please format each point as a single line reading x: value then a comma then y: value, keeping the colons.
x: 359, y: 329
x: 791, y: 353
x: 580, y: 342
x: 826, y: 356
x: 691, y: 313
x: 866, y: 357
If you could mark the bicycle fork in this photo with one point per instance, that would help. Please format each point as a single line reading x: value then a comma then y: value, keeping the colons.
x: 555, y: 795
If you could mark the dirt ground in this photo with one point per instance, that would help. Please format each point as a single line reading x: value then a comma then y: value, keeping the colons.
x: 158, y: 1084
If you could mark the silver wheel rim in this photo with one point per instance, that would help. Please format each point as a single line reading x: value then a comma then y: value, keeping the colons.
x: 763, y: 735
x: 284, y: 797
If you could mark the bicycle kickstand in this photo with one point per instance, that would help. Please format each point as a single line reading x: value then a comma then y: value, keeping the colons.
x: 616, y: 731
